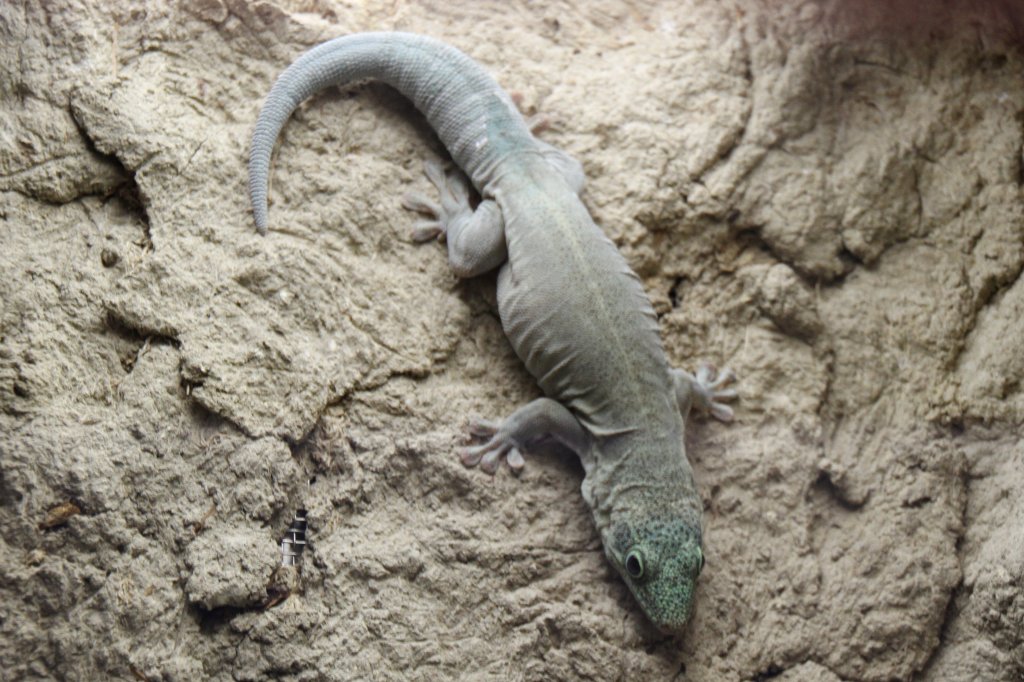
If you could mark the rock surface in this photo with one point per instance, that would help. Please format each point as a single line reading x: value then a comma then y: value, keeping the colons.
x: 826, y: 197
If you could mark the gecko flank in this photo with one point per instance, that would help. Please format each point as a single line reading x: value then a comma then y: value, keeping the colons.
x: 571, y: 307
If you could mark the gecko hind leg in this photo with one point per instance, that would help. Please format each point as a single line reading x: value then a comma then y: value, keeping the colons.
x: 569, y: 167
x: 564, y: 163
x: 705, y: 391
x: 475, y: 237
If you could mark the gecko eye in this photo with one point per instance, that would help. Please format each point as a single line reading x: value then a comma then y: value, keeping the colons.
x: 635, y: 565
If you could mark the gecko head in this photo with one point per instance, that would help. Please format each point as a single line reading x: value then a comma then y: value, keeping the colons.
x: 660, y: 559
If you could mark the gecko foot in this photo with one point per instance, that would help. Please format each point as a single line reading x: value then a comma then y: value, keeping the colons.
x: 706, y: 390
x: 710, y: 390
x: 488, y: 455
x: 454, y: 191
x: 538, y: 421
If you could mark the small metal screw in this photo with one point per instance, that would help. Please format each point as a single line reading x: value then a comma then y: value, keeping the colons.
x: 294, y: 540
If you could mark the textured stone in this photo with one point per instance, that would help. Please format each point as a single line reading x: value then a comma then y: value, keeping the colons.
x: 826, y: 199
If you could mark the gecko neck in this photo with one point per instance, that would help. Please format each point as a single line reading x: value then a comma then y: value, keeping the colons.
x: 638, y: 475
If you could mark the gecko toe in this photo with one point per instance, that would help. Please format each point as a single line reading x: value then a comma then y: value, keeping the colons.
x: 491, y: 460
x: 497, y: 446
x: 482, y: 428
x: 515, y: 460
x: 413, y: 201
x: 708, y: 385
x: 705, y: 373
x: 453, y: 192
x: 722, y: 413
x: 425, y: 230
x: 434, y: 170
x: 725, y: 377
x: 471, y: 456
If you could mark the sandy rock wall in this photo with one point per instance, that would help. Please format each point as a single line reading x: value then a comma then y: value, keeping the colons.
x: 825, y: 198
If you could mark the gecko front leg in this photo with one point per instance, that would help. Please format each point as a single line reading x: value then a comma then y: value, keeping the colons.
x: 539, y: 420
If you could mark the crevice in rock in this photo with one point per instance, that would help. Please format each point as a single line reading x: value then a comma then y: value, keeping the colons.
x: 749, y: 235
x: 851, y: 260
x: 768, y: 673
x: 673, y: 292
x: 1020, y: 156
x: 950, y: 615
x: 826, y: 487
x: 995, y: 286
x: 132, y: 327
x: 302, y: 448
x: 127, y: 191
x: 917, y: 502
x: 10, y: 496
x: 982, y: 299
x: 131, y: 197
x: 140, y: 339
x: 213, y: 621
x: 952, y: 610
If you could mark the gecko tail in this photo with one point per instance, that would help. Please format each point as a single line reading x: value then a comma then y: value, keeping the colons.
x: 336, y: 62
x: 475, y: 119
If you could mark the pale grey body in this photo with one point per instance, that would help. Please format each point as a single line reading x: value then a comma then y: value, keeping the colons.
x: 572, y: 308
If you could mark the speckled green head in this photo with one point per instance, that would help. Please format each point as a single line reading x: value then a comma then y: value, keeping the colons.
x: 659, y: 558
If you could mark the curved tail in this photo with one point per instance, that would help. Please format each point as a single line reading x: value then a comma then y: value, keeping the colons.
x: 473, y: 116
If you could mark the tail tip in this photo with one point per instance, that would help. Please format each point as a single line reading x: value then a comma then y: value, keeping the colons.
x: 261, y: 224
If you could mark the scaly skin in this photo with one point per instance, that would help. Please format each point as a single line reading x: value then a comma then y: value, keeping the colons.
x: 572, y: 308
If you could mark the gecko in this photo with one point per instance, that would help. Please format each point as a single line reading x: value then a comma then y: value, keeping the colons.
x: 573, y: 310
